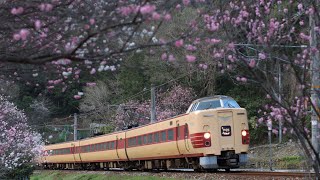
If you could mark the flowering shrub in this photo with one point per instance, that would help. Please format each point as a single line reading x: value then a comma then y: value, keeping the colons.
x: 19, y: 145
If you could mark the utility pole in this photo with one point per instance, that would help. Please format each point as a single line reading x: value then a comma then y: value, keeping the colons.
x: 315, y: 84
x: 269, y: 124
x: 153, y: 104
x: 279, y: 98
x: 75, y: 127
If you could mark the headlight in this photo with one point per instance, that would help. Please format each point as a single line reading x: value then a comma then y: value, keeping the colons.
x: 244, y: 133
x: 206, y: 135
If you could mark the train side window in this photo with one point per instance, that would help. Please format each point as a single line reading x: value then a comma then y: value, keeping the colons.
x: 130, y: 142
x: 145, y: 140
x: 135, y: 142
x: 163, y: 136
x: 139, y: 140
x: 150, y: 138
x: 156, y: 137
x: 112, y: 145
x: 170, y: 134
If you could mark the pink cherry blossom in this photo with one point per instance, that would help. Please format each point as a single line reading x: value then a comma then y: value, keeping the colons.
x: 93, y: 71
x: 167, y: 17
x: 24, y: 33
x: 16, y: 37
x: 156, y: 16
x: 262, y: 56
x: 252, y: 63
x: 243, y: 79
x: 147, y: 9
x: 190, y: 58
x: 77, y: 96
x: 186, y: 2
x: 17, y: 11
x: 164, y: 56
x: 91, y: 84
x: 179, y: 43
x: 92, y: 21
x: 37, y: 24
x: 171, y: 58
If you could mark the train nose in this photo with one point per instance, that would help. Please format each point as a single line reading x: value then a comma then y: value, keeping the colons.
x: 225, y: 119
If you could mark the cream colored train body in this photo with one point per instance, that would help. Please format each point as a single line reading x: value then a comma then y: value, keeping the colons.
x: 212, y: 134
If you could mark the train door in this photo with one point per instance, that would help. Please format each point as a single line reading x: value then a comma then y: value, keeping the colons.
x: 182, y: 137
x: 117, y: 146
x: 120, y: 147
x: 73, y: 151
x: 226, y: 125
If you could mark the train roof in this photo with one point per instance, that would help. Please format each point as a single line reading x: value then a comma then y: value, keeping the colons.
x: 212, y: 97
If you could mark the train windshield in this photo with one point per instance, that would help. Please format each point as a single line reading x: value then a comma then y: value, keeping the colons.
x: 218, y: 103
x: 209, y: 105
x: 230, y: 103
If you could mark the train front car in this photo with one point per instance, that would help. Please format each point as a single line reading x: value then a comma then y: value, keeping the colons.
x: 219, y: 129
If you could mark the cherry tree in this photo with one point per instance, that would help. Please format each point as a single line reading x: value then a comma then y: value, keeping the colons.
x: 170, y: 103
x: 19, y: 145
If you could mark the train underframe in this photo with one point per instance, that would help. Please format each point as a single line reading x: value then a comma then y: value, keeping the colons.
x: 227, y: 160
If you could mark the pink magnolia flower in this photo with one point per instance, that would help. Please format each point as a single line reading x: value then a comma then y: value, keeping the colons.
x: 191, y: 58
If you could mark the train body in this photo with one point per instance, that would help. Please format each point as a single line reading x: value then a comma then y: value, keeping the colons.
x: 213, y: 134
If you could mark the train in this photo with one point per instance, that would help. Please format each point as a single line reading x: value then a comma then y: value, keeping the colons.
x: 212, y: 134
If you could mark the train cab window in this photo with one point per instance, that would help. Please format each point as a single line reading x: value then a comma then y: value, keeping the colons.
x: 193, y: 107
x: 212, y: 104
x: 150, y: 138
x: 170, y: 134
x: 139, y: 140
x: 230, y: 103
x: 145, y: 140
x: 163, y: 136
x: 156, y: 137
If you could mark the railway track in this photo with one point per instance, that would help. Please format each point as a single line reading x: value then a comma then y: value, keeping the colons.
x: 175, y: 174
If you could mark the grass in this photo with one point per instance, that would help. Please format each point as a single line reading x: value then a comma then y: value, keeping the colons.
x: 82, y: 176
